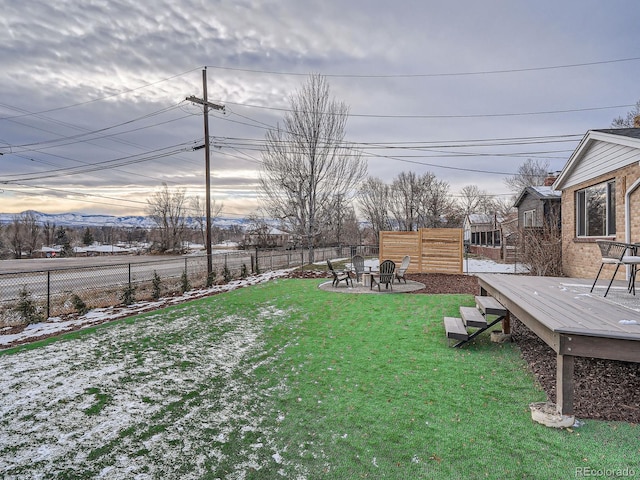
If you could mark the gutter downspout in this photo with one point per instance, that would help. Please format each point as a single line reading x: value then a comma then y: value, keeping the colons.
x: 627, y: 215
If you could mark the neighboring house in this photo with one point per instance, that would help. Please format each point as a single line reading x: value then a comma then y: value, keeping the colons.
x: 481, y: 229
x: 537, y: 206
x: 483, y: 235
x: 600, y: 197
x: 267, y: 237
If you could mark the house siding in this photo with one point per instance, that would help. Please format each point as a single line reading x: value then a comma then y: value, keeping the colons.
x: 581, y: 256
x: 601, y: 157
x: 528, y: 203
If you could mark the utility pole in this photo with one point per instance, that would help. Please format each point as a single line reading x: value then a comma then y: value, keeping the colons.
x: 207, y: 151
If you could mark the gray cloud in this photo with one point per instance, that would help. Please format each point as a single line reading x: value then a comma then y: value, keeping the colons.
x: 121, y: 60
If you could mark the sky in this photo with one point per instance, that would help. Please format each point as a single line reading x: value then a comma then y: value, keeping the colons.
x: 94, y: 116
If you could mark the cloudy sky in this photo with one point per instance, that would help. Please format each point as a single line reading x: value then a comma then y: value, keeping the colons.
x: 93, y: 116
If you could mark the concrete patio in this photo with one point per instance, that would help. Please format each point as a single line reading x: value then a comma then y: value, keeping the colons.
x: 342, y: 287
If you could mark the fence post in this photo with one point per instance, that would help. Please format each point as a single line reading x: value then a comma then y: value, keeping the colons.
x: 129, y: 276
x: 48, y: 293
x: 257, y: 263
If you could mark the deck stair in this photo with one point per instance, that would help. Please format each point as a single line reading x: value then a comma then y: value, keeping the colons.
x: 475, y: 318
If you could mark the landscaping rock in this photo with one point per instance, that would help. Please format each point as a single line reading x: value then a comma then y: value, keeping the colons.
x: 547, y: 414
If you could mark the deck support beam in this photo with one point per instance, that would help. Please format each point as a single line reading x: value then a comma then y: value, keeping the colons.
x: 564, y: 384
x: 506, y: 324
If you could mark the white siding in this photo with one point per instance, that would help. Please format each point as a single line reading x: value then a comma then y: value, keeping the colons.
x: 599, y: 159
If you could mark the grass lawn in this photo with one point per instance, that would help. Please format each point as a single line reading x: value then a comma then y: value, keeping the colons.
x: 284, y: 380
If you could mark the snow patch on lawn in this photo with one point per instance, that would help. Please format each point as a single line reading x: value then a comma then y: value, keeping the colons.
x: 57, y: 325
x: 128, y: 402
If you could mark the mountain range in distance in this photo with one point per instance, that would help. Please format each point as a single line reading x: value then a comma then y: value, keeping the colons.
x: 81, y: 220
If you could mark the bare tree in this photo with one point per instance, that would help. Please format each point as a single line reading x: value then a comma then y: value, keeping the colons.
x: 474, y: 200
x: 15, y: 234
x: 530, y: 174
x: 31, y: 231
x: 404, y: 202
x: 470, y: 199
x: 49, y: 232
x: 503, y: 206
x: 257, y: 232
x: 167, y: 210
x: 199, y: 214
x: 436, y: 204
x: 306, y: 162
x: 420, y: 201
x: 341, y: 223
x: 374, y: 197
x: 629, y: 121
x: 23, y: 234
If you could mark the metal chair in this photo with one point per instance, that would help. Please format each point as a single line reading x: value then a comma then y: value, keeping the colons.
x: 612, y: 253
x: 633, y: 261
x: 385, y: 275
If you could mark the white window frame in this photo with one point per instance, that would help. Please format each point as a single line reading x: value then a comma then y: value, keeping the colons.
x: 582, y: 198
x: 529, y: 218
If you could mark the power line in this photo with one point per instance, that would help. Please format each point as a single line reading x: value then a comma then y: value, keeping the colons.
x: 446, y: 167
x: 77, y: 137
x: 113, y: 163
x: 36, y: 194
x: 441, y: 74
x: 102, y: 98
x: 424, y: 116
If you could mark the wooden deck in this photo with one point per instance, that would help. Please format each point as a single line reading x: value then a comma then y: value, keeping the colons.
x: 571, y: 321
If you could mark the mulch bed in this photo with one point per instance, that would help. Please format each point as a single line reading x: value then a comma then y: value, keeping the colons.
x: 604, y: 389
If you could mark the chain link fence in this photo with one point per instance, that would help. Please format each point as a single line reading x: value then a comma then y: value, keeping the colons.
x: 30, y: 296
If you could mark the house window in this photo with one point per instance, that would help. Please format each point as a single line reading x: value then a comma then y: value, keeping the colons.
x: 596, y: 210
x: 529, y: 218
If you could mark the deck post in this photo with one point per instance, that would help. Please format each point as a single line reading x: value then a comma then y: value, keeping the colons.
x: 564, y: 384
x: 506, y: 324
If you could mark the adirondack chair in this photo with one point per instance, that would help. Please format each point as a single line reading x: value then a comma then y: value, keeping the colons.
x: 339, y: 276
x: 357, y: 261
x: 385, y: 275
x: 403, y: 268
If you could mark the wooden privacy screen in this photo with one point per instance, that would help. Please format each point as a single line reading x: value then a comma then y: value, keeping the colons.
x: 432, y: 250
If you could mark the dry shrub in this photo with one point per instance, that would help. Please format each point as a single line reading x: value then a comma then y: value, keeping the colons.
x: 540, y: 248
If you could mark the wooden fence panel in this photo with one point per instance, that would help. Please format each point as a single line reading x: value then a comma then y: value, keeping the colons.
x: 442, y: 250
x: 432, y: 250
x: 395, y: 245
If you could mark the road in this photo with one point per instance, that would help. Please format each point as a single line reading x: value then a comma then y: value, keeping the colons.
x: 54, y: 276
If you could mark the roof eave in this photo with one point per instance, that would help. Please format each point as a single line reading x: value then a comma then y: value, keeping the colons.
x: 590, y: 137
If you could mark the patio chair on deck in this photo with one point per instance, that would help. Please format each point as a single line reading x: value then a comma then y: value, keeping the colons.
x: 403, y: 268
x: 339, y: 276
x: 385, y: 275
x: 612, y: 254
x: 357, y: 262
